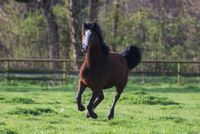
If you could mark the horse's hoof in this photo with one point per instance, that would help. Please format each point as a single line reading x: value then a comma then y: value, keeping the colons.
x: 111, y: 116
x: 92, y: 115
x: 88, y: 115
x: 81, y: 108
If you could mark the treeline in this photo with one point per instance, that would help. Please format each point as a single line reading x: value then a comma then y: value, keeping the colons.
x: 163, y: 29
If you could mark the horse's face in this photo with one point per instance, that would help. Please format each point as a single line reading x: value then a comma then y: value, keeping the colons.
x: 88, y: 36
x: 86, y: 39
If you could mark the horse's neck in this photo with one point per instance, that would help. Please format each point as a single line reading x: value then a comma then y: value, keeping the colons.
x: 95, y: 58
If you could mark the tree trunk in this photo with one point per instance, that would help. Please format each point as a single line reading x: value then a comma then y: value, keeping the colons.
x: 92, y: 10
x: 52, y: 29
x: 115, y: 24
x: 74, y: 31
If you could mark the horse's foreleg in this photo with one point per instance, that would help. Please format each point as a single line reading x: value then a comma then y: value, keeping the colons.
x: 81, y: 89
x: 99, y: 99
x: 90, y: 106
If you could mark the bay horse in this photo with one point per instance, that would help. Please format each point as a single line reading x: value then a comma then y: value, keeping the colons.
x: 102, y: 69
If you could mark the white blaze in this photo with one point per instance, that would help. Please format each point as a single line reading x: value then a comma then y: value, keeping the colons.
x: 86, y: 39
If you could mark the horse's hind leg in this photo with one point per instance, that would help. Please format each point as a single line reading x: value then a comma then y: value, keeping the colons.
x: 90, y: 106
x: 81, y: 89
x: 119, y: 90
x: 111, y: 113
x: 99, y: 99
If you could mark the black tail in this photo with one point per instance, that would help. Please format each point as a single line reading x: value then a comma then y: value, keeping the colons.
x: 133, y: 56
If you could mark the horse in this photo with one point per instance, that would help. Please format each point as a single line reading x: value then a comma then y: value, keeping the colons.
x: 102, y: 69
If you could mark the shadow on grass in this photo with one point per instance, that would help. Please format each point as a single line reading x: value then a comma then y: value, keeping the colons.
x: 21, y: 100
x: 185, y: 89
x: 26, y: 86
x: 163, y: 88
x: 2, y: 98
x: 175, y: 119
x: 33, y: 112
x: 7, y: 131
x: 160, y: 85
x: 141, y: 97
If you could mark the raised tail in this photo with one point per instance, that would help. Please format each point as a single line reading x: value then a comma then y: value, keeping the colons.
x: 133, y: 56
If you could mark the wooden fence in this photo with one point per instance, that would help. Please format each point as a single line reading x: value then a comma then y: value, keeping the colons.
x: 40, y: 69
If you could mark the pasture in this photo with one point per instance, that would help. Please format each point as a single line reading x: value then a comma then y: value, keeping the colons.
x: 157, y: 107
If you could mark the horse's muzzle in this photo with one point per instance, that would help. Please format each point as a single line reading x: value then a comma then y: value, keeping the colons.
x: 84, y: 48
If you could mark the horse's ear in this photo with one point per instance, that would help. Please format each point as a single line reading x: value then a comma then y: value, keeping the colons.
x: 84, y: 25
x: 93, y: 26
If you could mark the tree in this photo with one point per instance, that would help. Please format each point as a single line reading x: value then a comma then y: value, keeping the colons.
x: 92, y: 10
x: 52, y: 27
x: 74, y: 10
x: 46, y: 6
x: 115, y: 24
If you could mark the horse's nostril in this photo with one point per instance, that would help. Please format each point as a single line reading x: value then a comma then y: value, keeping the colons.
x: 84, y: 47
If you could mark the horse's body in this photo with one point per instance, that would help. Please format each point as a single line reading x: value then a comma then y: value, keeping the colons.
x: 106, y: 72
x: 102, y: 69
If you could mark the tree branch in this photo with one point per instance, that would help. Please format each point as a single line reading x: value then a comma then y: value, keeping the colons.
x: 24, y: 1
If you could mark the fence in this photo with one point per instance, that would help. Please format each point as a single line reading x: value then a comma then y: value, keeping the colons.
x: 41, y: 69
x: 168, y: 68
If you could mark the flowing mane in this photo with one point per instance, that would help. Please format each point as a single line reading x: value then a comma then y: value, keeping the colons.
x: 96, y: 28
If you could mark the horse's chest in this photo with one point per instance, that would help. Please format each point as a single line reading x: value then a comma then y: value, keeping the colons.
x: 91, y: 75
x: 93, y: 78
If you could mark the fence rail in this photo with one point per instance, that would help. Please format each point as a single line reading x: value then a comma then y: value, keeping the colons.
x: 40, y: 69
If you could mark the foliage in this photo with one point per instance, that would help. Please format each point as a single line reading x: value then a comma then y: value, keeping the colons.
x: 164, y: 30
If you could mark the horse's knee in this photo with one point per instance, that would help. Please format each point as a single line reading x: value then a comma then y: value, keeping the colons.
x: 78, y: 98
x: 119, y: 90
x: 101, y: 97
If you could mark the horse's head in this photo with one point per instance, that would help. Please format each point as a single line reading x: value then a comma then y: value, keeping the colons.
x: 91, y: 35
x: 88, y: 36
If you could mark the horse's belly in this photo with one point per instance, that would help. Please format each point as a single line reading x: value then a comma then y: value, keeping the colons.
x: 117, y: 78
x: 94, y: 81
x: 114, y: 81
x: 110, y: 85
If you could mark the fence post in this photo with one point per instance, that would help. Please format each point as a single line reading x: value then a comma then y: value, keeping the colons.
x: 143, y: 80
x: 64, y: 72
x: 178, y: 71
x: 7, y: 70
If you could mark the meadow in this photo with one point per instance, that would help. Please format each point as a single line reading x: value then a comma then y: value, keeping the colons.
x: 155, y: 107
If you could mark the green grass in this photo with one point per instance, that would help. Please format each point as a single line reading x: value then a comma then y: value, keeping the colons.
x: 144, y: 108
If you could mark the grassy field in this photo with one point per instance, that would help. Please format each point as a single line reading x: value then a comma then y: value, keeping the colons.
x: 146, y: 108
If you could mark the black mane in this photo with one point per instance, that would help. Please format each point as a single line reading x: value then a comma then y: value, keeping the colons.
x: 96, y: 28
